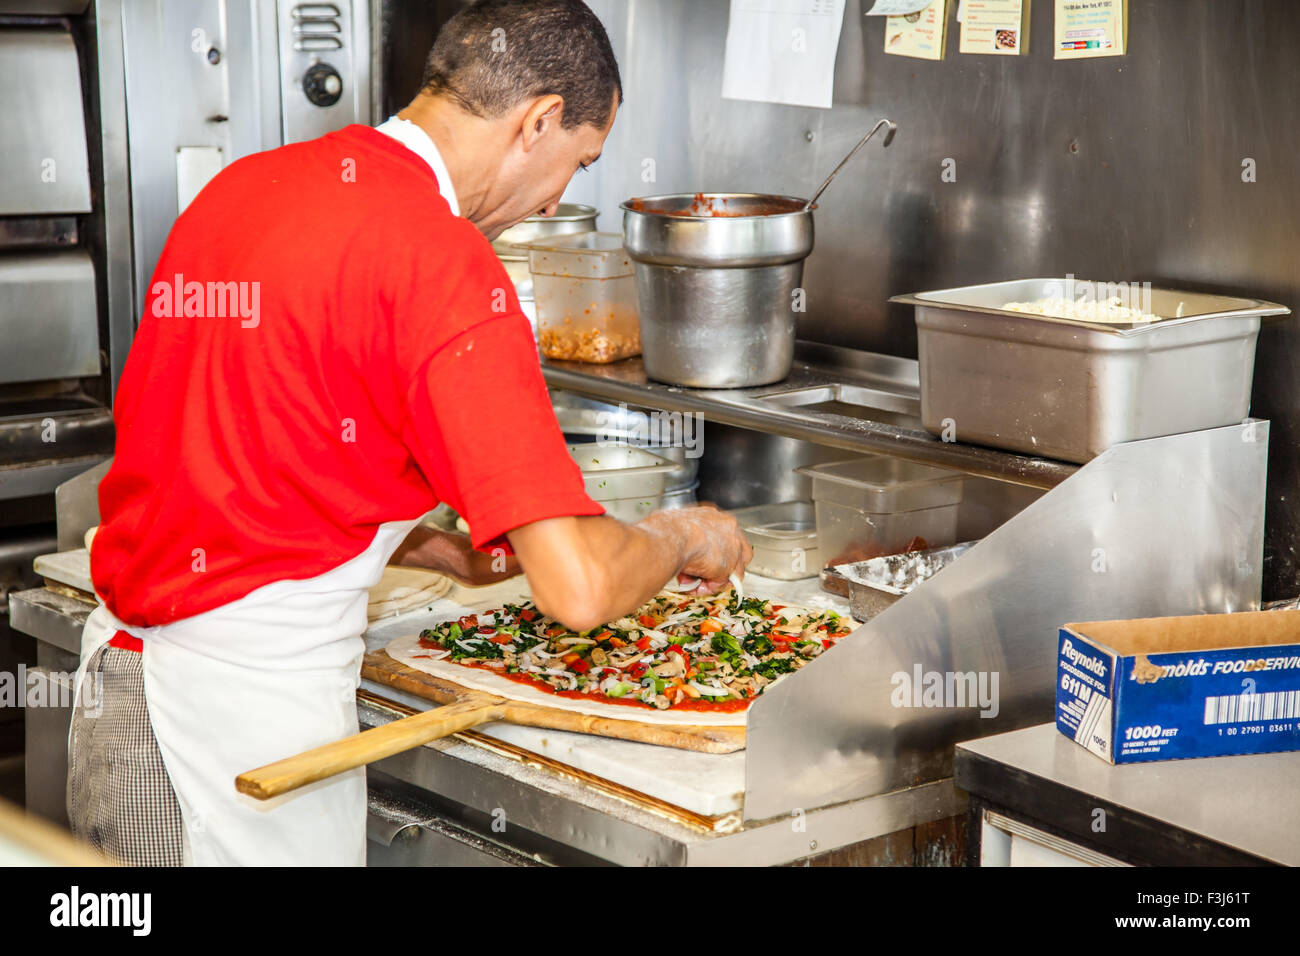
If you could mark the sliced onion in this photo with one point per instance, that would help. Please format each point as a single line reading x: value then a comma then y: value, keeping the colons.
x: 740, y: 588
x: 576, y: 640
x: 681, y: 587
x: 709, y: 690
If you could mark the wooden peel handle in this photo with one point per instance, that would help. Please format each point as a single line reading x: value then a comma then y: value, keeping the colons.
x: 367, y: 747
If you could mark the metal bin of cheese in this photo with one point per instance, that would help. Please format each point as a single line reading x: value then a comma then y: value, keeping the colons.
x: 586, y: 298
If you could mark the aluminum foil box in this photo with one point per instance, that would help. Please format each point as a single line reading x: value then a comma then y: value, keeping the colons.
x: 1175, y: 687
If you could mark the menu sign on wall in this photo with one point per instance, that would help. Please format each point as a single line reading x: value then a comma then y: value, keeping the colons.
x: 994, y: 26
x: 1087, y: 28
x: 919, y: 34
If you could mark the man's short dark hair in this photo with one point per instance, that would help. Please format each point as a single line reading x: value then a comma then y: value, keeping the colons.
x: 495, y: 54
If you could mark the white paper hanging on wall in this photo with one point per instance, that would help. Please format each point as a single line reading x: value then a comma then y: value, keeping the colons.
x: 897, y: 8
x: 782, y: 51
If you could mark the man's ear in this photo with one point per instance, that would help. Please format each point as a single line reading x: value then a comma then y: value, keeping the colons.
x: 543, y: 116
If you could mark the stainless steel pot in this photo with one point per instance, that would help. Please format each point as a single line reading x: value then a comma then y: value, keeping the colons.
x: 716, y: 275
x: 569, y: 218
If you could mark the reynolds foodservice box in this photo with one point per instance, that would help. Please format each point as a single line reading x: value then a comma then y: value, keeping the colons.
x: 1163, y: 688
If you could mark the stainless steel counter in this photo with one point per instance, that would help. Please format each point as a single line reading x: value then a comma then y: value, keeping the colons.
x: 487, y: 800
x: 1212, y: 811
x: 809, y: 404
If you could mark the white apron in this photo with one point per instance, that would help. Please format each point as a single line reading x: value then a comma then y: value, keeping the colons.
x: 262, y: 678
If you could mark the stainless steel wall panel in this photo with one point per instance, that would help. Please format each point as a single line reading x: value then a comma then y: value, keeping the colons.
x: 1120, y: 168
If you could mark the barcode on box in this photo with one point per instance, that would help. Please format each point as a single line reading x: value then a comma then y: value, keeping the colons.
x: 1238, y: 708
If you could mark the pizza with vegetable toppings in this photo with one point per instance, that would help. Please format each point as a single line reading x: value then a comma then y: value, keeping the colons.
x: 707, y: 654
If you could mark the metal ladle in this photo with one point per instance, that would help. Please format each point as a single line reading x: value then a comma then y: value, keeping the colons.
x: 889, y: 138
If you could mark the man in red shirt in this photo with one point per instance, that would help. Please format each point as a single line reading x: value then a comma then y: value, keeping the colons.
x: 329, y: 349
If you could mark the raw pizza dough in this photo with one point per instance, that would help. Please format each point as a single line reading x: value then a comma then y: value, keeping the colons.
x: 405, y: 650
x: 405, y: 589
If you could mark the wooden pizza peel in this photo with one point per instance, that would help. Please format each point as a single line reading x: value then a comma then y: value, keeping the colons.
x: 462, y: 709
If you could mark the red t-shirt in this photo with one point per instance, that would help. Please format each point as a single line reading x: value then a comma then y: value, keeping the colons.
x: 358, y: 355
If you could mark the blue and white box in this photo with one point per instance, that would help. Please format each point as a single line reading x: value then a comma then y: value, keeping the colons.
x: 1166, y: 688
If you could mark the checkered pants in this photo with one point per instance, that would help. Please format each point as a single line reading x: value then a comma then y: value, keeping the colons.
x: 120, y: 798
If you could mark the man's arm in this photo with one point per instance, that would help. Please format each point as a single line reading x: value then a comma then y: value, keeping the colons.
x: 453, y: 555
x: 584, y: 571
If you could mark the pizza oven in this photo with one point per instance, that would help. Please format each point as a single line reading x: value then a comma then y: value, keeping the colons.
x: 64, y: 275
x: 113, y: 116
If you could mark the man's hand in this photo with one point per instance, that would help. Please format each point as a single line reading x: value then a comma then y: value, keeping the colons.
x: 717, y: 546
x: 453, y: 555
x: 585, y: 571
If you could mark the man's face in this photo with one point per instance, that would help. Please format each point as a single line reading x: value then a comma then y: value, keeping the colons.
x: 539, y: 169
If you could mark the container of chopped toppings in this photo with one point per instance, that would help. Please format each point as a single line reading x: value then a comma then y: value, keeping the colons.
x: 585, y: 293
x: 1065, y: 368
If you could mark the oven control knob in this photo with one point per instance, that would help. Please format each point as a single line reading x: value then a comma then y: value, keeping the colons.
x: 322, y: 84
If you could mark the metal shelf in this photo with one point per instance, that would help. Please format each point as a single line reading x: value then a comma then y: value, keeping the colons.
x: 816, y: 367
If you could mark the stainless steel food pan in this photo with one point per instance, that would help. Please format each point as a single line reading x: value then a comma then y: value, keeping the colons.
x: 876, y: 584
x: 621, y: 471
x: 1069, y: 389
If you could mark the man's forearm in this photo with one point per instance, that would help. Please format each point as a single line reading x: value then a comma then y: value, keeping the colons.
x: 452, y: 554
x: 585, y: 571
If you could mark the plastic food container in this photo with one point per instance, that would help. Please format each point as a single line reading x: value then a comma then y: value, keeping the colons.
x: 784, y: 539
x: 628, y: 481
x: 585, y: 293
x: 867, y: 507
x: 569, y: 218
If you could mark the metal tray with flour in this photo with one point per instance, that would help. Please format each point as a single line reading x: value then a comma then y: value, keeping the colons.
x: 1069, y: 389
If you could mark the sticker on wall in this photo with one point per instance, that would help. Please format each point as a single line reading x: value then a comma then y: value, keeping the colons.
x: 897, y: 8
x: 1088, y: 28
x: 998, y: 27
x: 921, y: 34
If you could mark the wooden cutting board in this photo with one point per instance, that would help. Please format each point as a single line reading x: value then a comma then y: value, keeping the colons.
x: 382, y: 669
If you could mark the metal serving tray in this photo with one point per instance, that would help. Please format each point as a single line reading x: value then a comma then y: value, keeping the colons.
x: 877, y: 583
x: 1069, y: 389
